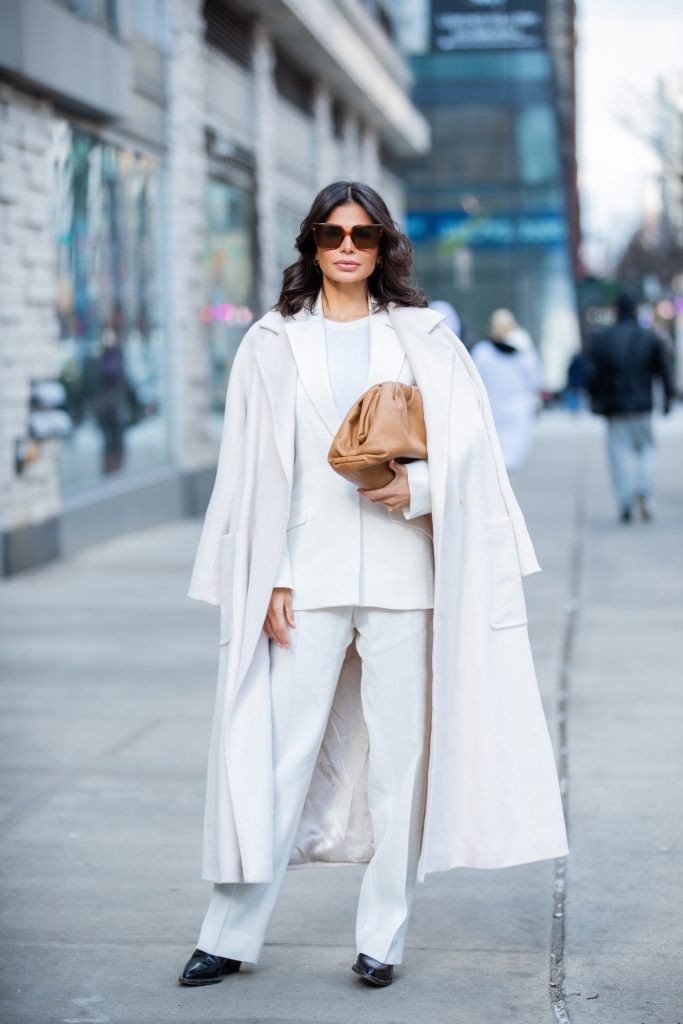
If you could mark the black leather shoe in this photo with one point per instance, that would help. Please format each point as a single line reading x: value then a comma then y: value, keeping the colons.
x: 373, y: 971
x: 206, y: 969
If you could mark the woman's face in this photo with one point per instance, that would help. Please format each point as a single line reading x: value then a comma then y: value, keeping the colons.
x: 347, y: 264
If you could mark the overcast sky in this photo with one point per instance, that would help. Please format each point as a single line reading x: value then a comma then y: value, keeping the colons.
x: 623, y: 46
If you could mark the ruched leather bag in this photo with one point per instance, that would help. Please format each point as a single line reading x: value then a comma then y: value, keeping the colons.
x: 387, y: 422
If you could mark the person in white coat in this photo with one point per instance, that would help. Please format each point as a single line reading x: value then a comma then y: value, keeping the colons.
x: 376, y: 699
x: 511, y: 371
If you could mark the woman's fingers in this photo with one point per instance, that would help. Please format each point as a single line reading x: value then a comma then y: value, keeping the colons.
x: 396, y: 493
x: 275, y: 626
x: 379, y: 494
x: 280, y: 628
x: 289, y: 613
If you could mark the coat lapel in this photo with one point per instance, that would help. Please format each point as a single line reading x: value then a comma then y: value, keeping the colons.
x: 387, y: 355
x: 429, y: 355
x: 431, y: 358
x: 278, y: 373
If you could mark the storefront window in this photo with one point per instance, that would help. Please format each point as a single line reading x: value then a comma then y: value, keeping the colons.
x: 111, y: 334
x: 230, y: 283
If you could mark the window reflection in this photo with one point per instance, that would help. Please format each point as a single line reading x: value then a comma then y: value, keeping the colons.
x: 111, y: 336
x: 229, y: 259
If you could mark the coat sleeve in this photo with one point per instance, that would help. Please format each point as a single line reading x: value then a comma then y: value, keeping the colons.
x: 205, y: 579
x: 590, y: 366
x: 528, y: 563
x: 664, y: 369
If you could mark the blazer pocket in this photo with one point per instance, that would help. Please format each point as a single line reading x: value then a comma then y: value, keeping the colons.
x: 227, y: 544
x: 507, y: 606
x: 298, y: 512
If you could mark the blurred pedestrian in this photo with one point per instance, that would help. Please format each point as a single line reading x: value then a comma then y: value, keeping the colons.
x: 324, y: 747
x: 452, y: 317
x: 622, y: 363
x: 511, y: 371
x: 573, y: 396
x: 115, y: 403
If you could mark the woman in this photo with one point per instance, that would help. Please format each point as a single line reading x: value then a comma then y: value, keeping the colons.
x: 511, y: 373
x: 376, y: 696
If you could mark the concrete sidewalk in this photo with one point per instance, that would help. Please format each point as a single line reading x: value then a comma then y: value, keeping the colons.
x: 107, y: 695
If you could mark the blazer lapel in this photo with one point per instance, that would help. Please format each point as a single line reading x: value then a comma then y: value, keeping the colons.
x: 387, y: 356
x: 306, y: 333
x: 307, y: 341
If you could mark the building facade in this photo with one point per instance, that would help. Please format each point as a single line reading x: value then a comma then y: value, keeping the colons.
x: 493, y: 209
x: 156, y: 160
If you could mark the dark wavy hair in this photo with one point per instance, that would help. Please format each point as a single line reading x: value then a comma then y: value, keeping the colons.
x: 390, y: 282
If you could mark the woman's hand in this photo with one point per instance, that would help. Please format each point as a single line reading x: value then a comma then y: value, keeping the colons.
x: 396, y: 494
x: 279, y: 617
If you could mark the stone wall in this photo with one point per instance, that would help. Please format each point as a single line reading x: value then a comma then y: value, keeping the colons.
x: 28, y: 322
x: 186, y: 219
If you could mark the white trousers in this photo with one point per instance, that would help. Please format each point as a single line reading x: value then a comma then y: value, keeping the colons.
x: 394, y: 647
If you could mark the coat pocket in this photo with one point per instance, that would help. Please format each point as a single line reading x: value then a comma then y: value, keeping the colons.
x: 507, y: 606
x: 298, y: 512
x: 227, y: 585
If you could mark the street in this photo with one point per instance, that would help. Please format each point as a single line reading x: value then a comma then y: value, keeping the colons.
x: 107, y: 693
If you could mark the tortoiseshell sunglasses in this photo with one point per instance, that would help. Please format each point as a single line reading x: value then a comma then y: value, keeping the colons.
x: 363, y: 236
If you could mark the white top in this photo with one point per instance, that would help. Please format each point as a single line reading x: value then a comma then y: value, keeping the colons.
x: 348, y: 360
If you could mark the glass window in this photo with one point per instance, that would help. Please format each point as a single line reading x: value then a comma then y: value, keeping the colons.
x: 149, y: 21
x: 293, y: 83
x: 471, y: 144
x: 230, y: 281
x: 112, y: 351
x: 537, y: 146
x: 528, y: 66
x: 228, y: 31
x: 288, y: 228
x: 104, y: 13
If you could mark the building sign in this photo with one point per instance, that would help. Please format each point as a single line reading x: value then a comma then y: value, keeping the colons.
x: 487, y: 24
x: 457, y: 229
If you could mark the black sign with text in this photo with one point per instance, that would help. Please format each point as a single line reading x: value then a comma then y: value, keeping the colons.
x: 487, y: 24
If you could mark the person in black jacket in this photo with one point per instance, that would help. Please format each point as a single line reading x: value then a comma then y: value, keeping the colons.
x: 621, y: 365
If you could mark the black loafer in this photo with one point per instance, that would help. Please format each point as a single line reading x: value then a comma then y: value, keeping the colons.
x: 373, y: 971
x: 206, y: 969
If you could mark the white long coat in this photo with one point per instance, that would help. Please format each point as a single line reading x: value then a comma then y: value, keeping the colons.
x: 492, y: 795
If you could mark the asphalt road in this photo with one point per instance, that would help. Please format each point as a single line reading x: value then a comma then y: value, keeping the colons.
x: 108, y: 676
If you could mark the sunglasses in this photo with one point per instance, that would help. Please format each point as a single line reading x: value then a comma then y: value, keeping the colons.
x: 363, y: 236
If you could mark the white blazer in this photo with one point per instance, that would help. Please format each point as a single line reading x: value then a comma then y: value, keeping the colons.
x: 340, y: 548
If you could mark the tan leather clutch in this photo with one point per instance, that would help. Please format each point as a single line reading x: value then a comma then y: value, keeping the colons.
x: 387, y: 422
